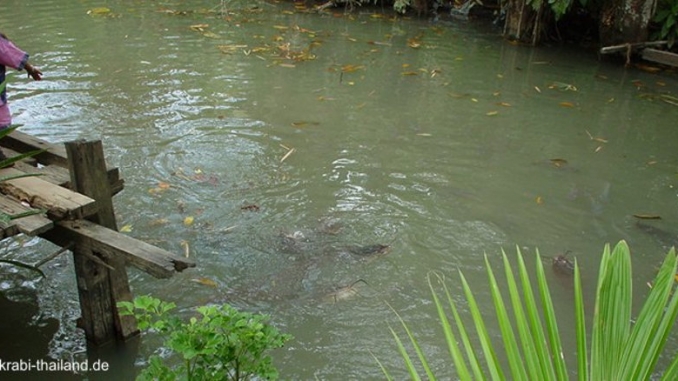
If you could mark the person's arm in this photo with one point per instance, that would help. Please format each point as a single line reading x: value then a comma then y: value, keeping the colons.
x: 33, y: 71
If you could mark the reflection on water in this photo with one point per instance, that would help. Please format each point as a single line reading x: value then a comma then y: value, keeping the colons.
x: 369, y: 166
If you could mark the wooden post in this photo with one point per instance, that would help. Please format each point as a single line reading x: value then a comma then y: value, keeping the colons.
x: 99, y: 287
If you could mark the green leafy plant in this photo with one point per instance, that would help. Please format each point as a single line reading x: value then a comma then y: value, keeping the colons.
x: 622, y: 348
x: 221, y: 343
x: 667, y: 17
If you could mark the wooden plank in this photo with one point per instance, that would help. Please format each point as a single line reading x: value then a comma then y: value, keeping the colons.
x: 31, y: 225
x: 55, y: 154
x: 59, y: 202
x: 630, y: 46
x: 60, y: 176
x: 660, y: 56
x: 20, y: 142
x: 87, y: 168
x: 151, y: 259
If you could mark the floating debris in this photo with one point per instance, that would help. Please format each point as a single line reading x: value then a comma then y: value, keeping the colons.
x: 563, y: 265
x: 345, y: 292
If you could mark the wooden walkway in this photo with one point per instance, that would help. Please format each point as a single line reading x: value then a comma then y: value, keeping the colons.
x: 73, y: 194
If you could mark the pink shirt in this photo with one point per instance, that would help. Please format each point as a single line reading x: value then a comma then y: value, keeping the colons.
x: 15, y: 58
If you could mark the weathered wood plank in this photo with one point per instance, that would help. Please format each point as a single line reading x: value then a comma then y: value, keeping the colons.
x: 59, y: 202
x: 54, y: 155
x: 31, y: 225
x: 21, y: 142
x: 660, y: 56
x: 630, y: 46
x: 153, y: 260
x: 87, y: 168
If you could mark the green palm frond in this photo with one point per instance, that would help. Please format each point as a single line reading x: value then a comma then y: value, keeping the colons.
x: 621, y: 349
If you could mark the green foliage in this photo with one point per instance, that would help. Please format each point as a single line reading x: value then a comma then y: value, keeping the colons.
x: 667, y: 17
x: 221, y: 343
x: 400, y: 6
x: 621, y: 348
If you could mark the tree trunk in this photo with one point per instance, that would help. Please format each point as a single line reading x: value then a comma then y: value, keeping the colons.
x: 625, y: 21
x: 523, y: 23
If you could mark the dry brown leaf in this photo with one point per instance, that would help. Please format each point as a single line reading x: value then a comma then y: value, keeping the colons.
x: 648, y: 216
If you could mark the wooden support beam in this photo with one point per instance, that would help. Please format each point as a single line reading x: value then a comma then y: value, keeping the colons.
x: 660, y: 56
x: 99, y: 288
x: 108, y: 243
x: 59, y: 202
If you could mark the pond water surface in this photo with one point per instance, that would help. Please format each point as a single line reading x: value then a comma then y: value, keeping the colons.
x: 270, y: 144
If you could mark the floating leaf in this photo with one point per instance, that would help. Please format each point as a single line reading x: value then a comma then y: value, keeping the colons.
x: 211, y: 35
x: 187, y: 248
x: 158, y: 222
x: 98, y: 11
x: 205, y: 281
x: 304, y: 124
x: 648, y: 216
x: 199, y: 27
x: 492, y: 113
x: 562, y: 86
x: 188, y: 221
x: 539, y: 200
x: 126, y: 229
x: 351, y: 68
x: 409, y: 73
x: 250, y: 208
x: 558, y: 162
x: 566, y: 104
x: 281, y: 27
x: 504, y: 104
x: 423, y: 134
x: 601, y: 140
x: 164, y: 186
x: 537, y: 89
x: 287, y: 65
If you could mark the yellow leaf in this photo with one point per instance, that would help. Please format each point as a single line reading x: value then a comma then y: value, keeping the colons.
x: 163, y: 185
x: 99, y: 11
x: 126, y: 229
x: 566, y: 104
x: 205, y: 281
x: 558, y: 162
x: 492, y: 113
x: 158, y: 222
x: 539, y: 200
x: 188, y: 221
x: 280, y: 27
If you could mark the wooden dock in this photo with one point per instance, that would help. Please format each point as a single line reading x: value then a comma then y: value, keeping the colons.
x: 67, y: 199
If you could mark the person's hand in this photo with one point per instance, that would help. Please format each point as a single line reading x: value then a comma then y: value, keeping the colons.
x: 34, y: 72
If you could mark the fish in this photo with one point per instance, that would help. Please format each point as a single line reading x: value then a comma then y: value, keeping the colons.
x: 664, y: 238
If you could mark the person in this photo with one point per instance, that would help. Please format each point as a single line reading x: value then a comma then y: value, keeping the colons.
x: 13, y: 57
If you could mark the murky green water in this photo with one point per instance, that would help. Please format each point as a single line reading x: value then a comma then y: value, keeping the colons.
x: 443, y: 151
